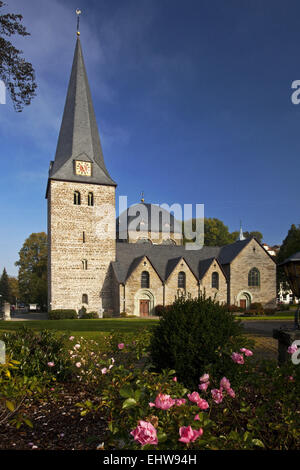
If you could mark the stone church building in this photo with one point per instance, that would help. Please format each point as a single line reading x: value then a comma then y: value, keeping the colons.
x: 93, y: 262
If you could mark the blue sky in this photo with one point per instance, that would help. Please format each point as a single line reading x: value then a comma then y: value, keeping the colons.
x: 192, y: 99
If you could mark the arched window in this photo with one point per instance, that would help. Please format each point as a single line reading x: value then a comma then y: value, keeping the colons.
x: 77, y: 198
x: 90, y: 199
x: 145, y: 280
x: 168, y: 241
x: 181, y: 280
x: 144, y: 240
x: 84, y: 264
x: 85, y: 299
x: 254, y: 278
x: 215, y: 280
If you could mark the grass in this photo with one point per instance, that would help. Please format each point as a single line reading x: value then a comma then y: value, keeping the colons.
x: 276, y: 316
x: 90, y: 329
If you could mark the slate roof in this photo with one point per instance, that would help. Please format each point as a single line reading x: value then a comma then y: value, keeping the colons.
x: 164, y: 258
x: 154, y: 218
x: 79, y: 137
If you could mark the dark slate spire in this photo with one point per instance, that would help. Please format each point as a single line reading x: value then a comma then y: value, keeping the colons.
x: 79, y: 137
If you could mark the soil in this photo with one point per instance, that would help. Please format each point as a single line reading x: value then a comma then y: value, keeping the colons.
x: 57, y: 424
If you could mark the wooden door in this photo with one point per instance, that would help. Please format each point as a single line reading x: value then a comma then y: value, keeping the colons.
x: 243, y: 303
x: 144, y: 308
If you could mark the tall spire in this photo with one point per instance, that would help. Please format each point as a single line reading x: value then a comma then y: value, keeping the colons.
x: 241, y: 235
x: 79, y: 137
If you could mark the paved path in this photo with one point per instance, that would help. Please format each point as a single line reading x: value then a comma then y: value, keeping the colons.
x: 29, y: 316
x: 265, y: 328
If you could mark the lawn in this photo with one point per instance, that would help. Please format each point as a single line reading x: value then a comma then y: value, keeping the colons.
x: 91, y: 329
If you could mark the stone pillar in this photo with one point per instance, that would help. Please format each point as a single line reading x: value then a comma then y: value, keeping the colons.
x: 6, y: 315
x: 285, y: 339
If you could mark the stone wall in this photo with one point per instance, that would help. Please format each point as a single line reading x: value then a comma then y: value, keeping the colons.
x: 206, y: 284
x: 171, y: 285
x: 68, y: 226
x: 155, y: 237
x: 134, y: 292
x: 253, y: 255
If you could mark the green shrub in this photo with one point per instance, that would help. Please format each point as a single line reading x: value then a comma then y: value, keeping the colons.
x: 234, y: 308
x: 196, y: 336
x: 62, y: 314
x: 160, y: 310
x: 256, y: 306
x: 270, y: 311
x: 35, y: 351
x: 89, y: 315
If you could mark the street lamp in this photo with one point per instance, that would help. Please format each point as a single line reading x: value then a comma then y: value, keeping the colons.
x: 292, y: 270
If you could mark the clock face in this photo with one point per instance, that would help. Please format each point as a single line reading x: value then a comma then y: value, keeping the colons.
x: 83, y: 168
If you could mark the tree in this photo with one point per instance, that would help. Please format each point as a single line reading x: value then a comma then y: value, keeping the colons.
x: 14, y: 288
x: 257, y: 235
x: 216, y: 233
x: 5, y: 290
x: 33, y: 269
x: 290, y: 245
x: 17, y: 74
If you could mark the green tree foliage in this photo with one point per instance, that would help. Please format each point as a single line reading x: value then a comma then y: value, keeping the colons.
x: 5, y: 289
x: 17, y: 74
x: 255, y: 234
x: 14, y: 288
x: 216, y: 233
x: 290, y: 245
x: 33, y: 269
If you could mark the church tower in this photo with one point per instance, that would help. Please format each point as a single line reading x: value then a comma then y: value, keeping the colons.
x: 81, y: 206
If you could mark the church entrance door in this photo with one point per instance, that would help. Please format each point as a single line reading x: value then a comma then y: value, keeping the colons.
x: 243, y: 303
x: 144, y: 308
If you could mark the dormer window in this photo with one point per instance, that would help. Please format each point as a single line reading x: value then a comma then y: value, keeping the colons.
x: 215, y: 280
x: 181, y: 280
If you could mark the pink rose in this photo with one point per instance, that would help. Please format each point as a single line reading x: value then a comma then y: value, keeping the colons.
x: 180, y: 401
x: 104, y: 370
x: 187, y: 434
x: 247, y: 352
x: 50, y: 364
x: 231, y: 393
x: 164, y: 402
x: 197, y: 417
x: 204, y: 386
x: 145, y: 433
x: 194, y: 397
x: 217, y: 395
x: 237, y: 358
x: 203, y: 405
x: 121, y: 345
x: 78, y: 364
x: 224, y: 384
x: 174, y: 379
x: 71, y: 338
x: 292, y: 349
x: 204, y: 378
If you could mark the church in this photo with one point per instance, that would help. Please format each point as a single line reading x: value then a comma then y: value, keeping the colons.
x: 93, y: 262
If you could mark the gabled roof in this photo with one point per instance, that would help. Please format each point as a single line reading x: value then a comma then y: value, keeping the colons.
x: 164, y: 258
x: 79, y: 137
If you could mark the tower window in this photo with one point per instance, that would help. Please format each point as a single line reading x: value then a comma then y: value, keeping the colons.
x: 84, y: 264
x: 83, y: 237
x: 254, y: 278
x: 145, y: 280
x: 215, y: 280
x: 181, y: 280
x: 90, y: 199
x: 85, y: 299
x: 77, y: 198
